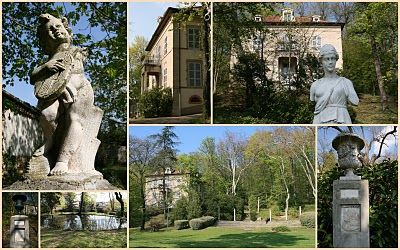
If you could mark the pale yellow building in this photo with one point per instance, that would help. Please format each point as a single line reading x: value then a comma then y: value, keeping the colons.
x: 175, y: 183
x: 287, y: 38
x: 175, y: 60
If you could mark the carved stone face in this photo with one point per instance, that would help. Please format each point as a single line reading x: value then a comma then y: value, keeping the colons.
x: 348, y: 154
x: 56, y: 32
x: 329, y: 62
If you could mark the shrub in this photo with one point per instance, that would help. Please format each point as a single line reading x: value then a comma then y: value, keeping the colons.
x: 157, y: 102
x: 201, y: 223
x: 293, y: 212
x: 281, y: 229
x: 308, y: 219
x: 157, y: 222
x: 181, y: 224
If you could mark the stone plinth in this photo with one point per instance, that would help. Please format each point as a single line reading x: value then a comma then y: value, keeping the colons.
x: 350, y: 214
x: 19, y: 229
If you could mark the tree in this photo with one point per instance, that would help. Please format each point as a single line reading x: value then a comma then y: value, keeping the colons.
x: 166, y: 155
x: 376, y: 25
x: 49, y: 200
x: 118, y: 196
x: 106, y: 64
x: 142, y: 154
x: 136, y: 53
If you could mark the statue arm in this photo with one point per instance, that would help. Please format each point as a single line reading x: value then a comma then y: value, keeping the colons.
x: 351, y: 93
x: 54, y: 65
x: 312, y: 92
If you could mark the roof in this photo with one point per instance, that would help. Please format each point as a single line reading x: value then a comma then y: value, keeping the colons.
x: 22, y: 107
x: 277, y: 20
x: 173, y: 172
x: 161, y: 25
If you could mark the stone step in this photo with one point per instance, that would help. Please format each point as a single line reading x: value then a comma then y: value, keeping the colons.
x: 257, y: 224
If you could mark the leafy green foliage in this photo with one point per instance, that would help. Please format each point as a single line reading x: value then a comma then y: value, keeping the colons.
x: 202, y: 222
x: 253, y: 207
x: 181, y: 224
x: 383, y: 195
x: 308, y: 219
x: 179, y: 212
x: 157, y: 102
x: 106, y: 64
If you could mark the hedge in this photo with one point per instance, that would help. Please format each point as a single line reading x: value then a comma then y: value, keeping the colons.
x: 181, y: 224
x: 202, y: 222
x: 308, y: 219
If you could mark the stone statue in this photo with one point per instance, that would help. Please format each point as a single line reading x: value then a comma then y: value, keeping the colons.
x: 69, y: 120
x: 332, y: 93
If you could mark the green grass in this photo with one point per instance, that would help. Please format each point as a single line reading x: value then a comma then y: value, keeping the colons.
x: 369, y: 110
x: 214, y: 237
x: 83, y: 239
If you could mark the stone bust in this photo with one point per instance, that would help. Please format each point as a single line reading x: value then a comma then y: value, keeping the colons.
x: 65, y: 96
x: 332, y: 93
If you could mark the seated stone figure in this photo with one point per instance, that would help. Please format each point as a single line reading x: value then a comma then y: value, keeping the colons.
x: 332, y: 93
x: 69, y: 120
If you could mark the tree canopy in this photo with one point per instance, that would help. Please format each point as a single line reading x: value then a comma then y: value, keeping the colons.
x: 104, y: 34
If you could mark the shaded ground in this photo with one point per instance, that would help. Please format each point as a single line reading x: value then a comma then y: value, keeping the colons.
x: 186, y: 119
x: 369, y: 111
x: 215, y: 237
x: 51, y: 238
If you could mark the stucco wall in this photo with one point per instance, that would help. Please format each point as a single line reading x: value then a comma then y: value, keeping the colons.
x: 21, y: 134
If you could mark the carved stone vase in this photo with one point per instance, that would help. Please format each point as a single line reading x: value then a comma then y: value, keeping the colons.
x: 348, y: 147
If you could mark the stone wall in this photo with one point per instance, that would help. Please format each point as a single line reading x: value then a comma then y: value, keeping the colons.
x: 21, y: 131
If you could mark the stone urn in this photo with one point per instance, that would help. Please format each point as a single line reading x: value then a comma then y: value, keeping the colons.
x: 19, y: 202
x: 348, y: 147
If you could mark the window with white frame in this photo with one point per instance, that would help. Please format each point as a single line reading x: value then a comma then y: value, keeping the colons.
x: 316, y: 42
x: 159, y: 53
x: 165, y: 45
x: 194, y: 38
x: 165, y: 77
x: 194, y: 74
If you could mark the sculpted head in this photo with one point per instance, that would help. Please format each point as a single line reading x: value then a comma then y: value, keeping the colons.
x: 328, y: 49
x: 52, y: 32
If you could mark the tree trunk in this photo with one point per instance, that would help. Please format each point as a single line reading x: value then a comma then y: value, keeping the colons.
x: 378, y: 71
x: 81, y: 205
x: 118, y: 196
x: 206, y: 67
x: 143, y: 199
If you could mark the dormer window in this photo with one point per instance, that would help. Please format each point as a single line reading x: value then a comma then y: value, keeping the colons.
x: 287, y: 15
x: 316, y: 18
x: 257, y: 18
x: 168, y: 171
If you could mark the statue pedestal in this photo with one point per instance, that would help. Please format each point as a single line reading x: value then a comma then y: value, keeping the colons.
x: 19, y: 229
x: 350, y: 214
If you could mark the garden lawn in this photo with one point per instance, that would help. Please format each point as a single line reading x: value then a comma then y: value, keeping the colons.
x: 83, y: 239
x: 219, y: 237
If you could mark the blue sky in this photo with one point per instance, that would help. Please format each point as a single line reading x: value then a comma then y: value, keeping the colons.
x: 391, y: 143
x: 191, y: 136
x: 23, y: 90
x: 143, y: 17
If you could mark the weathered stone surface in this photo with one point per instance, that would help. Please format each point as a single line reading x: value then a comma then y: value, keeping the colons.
x: 19, y: 229
x: 350, y: 213
x: 89, y: 181
x: 332, y: 93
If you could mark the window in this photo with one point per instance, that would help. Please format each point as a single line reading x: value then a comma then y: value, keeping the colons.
x: 194, y: 74
x: 165, y: 77
x: 287, y: 15
x: 165, y: 45
x: 193, y: 38
x: 316, y: 42
x: 153, y: 82
x: 257, y: 43
x: 257, y: 18
x: 316, y: 18
x: 159, y: 53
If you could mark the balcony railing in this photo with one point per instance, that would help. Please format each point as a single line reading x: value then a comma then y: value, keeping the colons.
x: 286, y: 46
x: 151, y: 60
